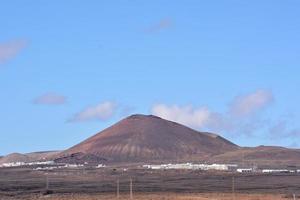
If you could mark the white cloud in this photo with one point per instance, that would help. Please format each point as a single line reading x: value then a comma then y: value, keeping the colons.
x: 187, y: 115
x: 249, y: 104
x: 50, y: 99
x: 102, y: 111
x: 238, y: 119
x: 126, y: 110
x: 9, y: 50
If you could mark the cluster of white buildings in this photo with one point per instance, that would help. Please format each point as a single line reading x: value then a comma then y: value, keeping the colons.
x: 69, y: 166
x: 19, y: 164
x: 51, y: 165
x: 221, y: 167
x: 267, y: 171
x: 47, y: 165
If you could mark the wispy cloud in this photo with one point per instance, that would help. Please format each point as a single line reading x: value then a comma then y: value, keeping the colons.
x: 8, y: 50
x: 50, y: 99
x: 243, y: 117
x: 126, y: 110
x: 238, y: 119
x: 161, y: 25
x: 102, y: 111
x: 187, y: 115
x: 281, y: 129
x: 249, y: 104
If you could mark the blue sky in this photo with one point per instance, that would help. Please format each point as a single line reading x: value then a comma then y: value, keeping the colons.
x: 68, y: 69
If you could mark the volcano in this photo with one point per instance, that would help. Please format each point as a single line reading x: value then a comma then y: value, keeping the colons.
x: 140, y: 138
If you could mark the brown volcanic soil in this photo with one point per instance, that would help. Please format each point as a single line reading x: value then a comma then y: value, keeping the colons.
x: 157, y: 196
x: 20, y: 182
x: 150, y: 138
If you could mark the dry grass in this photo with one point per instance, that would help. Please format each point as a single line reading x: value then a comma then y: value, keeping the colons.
x: 166, y: 196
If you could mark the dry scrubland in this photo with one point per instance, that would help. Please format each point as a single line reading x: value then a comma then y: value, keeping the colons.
x: 163, y: 196
x: 100, y: 184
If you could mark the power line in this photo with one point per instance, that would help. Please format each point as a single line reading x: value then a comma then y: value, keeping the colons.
x: 233, y: 188
x: 47, y: 183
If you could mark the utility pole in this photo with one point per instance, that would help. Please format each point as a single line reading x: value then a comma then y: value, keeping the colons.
x: 47, y: 183
x: 233, y: 188
x: 294, y: 196
x: 118, y: 189
x: 131, y: 194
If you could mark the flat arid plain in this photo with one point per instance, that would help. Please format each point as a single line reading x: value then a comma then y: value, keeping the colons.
x: 165, y: 196
x: 85, y: 183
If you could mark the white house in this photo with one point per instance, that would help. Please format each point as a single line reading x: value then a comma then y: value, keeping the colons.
x: 244, y: 170
x: 275, y: 171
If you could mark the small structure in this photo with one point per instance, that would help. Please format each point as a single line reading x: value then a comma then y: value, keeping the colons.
x: 245, y: 170
x: 191, y: 166
x: 268, y: 171
x: 100, y: 166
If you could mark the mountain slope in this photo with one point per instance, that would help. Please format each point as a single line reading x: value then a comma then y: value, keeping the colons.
x: 261, y: 155
x: 28, y: 157
x: 14, y: 157
x: 150, y: 138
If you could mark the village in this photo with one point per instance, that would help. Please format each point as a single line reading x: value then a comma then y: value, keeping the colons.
x: 218, y: 167
x: 51, y: 165
x: 47, y: 165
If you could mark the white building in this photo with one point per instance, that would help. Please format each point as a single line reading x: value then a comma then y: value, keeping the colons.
x: 245, y: 170
x: 18, y: 164
x: 100, y: 166
x: 275, y: 171
x: 191, y: 166
x: 13, y: 164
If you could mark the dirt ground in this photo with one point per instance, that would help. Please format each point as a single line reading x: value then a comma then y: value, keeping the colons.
x: 24, y: 183
x: 155, y: 196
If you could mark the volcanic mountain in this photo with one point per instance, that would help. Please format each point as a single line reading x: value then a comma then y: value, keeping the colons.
x: 141, y: 138
x: 147, y: 138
